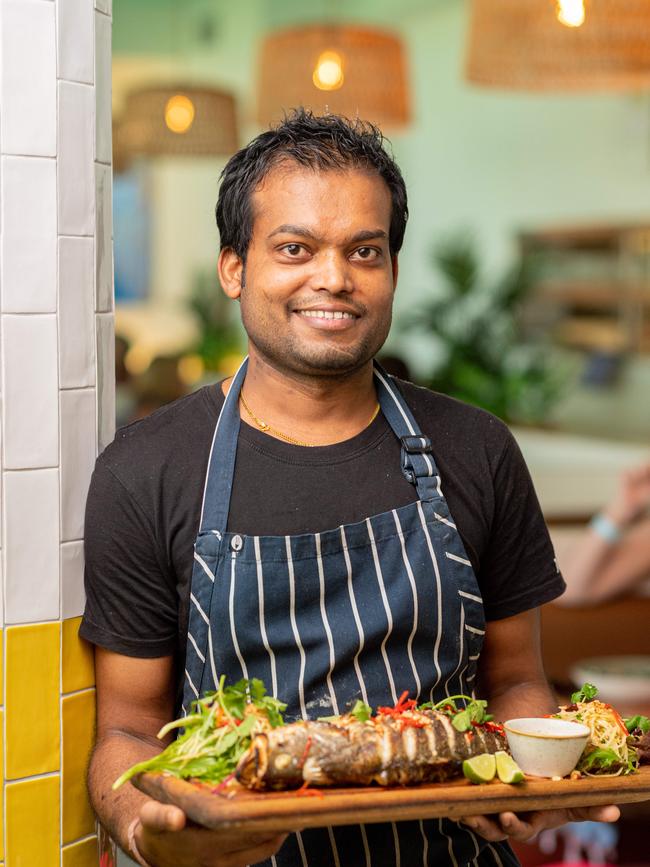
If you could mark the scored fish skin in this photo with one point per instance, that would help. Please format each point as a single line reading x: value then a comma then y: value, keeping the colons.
x: 384, y: 750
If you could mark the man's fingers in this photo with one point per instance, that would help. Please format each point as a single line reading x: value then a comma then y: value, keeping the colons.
x: 609, y: 813
x: 158, y: 818
x: 484, y: 827
x: 258, y: 853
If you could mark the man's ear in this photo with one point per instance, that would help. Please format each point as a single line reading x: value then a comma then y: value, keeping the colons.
x: 230, y: 269
x: 395, y: 270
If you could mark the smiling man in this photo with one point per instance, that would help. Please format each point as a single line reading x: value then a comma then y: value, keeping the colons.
x: 312, y: 522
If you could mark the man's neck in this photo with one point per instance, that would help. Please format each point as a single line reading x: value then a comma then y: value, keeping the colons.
x: 311, y: 410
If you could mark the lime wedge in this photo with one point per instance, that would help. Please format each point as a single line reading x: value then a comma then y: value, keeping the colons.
x: 508, y: 771
x: 480, y: 769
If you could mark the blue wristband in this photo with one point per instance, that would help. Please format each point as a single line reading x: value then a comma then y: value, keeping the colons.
x: 606, y: 529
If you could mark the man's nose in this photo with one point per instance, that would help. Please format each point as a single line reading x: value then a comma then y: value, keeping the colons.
x: 333, y: 274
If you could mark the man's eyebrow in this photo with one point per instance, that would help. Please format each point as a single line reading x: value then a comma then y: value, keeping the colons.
x: 303, y: 232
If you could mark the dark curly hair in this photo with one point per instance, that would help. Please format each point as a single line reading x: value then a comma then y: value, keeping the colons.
x: 328, y: 142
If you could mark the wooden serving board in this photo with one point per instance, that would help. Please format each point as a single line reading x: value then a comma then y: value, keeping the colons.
x: 290, y: 811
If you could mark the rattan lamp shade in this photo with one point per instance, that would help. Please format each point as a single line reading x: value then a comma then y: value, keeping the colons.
x: 205, y: 123
x: 373, y: 63
x: 521, y: 45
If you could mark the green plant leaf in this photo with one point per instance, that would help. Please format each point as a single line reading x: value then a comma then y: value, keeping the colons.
x: 586, y: 693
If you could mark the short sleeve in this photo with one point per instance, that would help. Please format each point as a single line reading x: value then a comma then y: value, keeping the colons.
x: 518, y: 569
x: 131, y: 603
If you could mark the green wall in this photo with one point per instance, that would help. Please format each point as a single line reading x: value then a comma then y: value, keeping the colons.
x: 493, y: 162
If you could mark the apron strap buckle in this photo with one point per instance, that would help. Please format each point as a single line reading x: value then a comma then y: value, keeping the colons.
x: 414, y: 463
x: 416, y: 445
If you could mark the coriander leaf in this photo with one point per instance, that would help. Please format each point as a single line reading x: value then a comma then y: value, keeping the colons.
x: 586, y: 693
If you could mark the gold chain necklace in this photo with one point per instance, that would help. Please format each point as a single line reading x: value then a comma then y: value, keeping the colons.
x: 262, y: 425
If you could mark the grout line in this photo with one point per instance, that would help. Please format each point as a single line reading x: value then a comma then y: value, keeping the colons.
x: 78, y: 691
x: 79, y: 840
x: 28, y: 312
x: 77, y: 387
x: 74, y: 81
x: 27, y: 470
x: 31, y: 156
x: 46, y: 776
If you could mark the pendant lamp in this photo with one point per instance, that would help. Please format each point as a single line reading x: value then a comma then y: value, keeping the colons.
x: 560, y: 45
x: 340, y: 69
x: 176, y: 121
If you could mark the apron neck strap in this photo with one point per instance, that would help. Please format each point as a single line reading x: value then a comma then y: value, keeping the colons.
x: 418, y: 466
x: 221, y: 463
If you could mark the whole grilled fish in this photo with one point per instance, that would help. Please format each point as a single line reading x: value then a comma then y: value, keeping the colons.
x: 417, y: 747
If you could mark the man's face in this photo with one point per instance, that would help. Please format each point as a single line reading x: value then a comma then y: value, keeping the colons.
x: 319, y: 279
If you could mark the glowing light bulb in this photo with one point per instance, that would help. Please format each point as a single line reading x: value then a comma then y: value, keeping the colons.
x: 328, y: 72
x: 179, y: 113
x: 571, y: 12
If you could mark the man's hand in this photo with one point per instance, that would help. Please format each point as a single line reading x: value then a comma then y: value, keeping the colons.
x: 164, y: 840
x: 527, y: 825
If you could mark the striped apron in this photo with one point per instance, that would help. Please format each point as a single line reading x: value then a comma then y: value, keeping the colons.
x: 366, y: 611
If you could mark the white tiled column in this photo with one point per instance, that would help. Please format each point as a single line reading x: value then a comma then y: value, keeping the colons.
x: 56, y: 405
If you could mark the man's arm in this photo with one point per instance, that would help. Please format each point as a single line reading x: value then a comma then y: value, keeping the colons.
x: 512, y: 679
x: 134, y: 701
x: 135, y: 698
x: 511, y: 673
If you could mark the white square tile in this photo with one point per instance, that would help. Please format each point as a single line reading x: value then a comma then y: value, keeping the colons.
x: 105, y: 380
x: 31, y: 556
x: 103, y: 138
x: 28, y: 235
x: 76, y: 168
x: 76, y: 312
x: 30, y: 392
x: 73, y: 598
x: 103, y: 239
x: 105, y: 6
x: 75, y: 22
x: 78, y: 437
x: 28, y: 78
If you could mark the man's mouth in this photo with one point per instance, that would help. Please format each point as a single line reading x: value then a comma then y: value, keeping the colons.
x: 326, y: 314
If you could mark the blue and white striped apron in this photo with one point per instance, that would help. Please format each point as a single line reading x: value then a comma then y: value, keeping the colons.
x: 365, y: 610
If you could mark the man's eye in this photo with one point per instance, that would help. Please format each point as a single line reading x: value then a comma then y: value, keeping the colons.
x: 366, y: 253
x: 292, y: 249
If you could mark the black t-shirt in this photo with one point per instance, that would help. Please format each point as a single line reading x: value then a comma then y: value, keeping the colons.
x: 145, y: 498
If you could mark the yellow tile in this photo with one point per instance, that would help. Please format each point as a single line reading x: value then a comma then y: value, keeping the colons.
x: 2, y: 842
x: 78, y: 718
x: 2, y: 669
x: 78, y: 664
x: 82, y: 854
x: 32, y: 709
x: 33, y: 822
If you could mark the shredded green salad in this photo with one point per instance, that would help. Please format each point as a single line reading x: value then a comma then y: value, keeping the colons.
x: 216, y: 733
x: 612, y: 740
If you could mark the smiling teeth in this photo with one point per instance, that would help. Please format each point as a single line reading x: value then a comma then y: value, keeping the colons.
x: 326, y: 314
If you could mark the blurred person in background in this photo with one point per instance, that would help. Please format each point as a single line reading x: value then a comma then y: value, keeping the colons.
x: 613, y: 555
